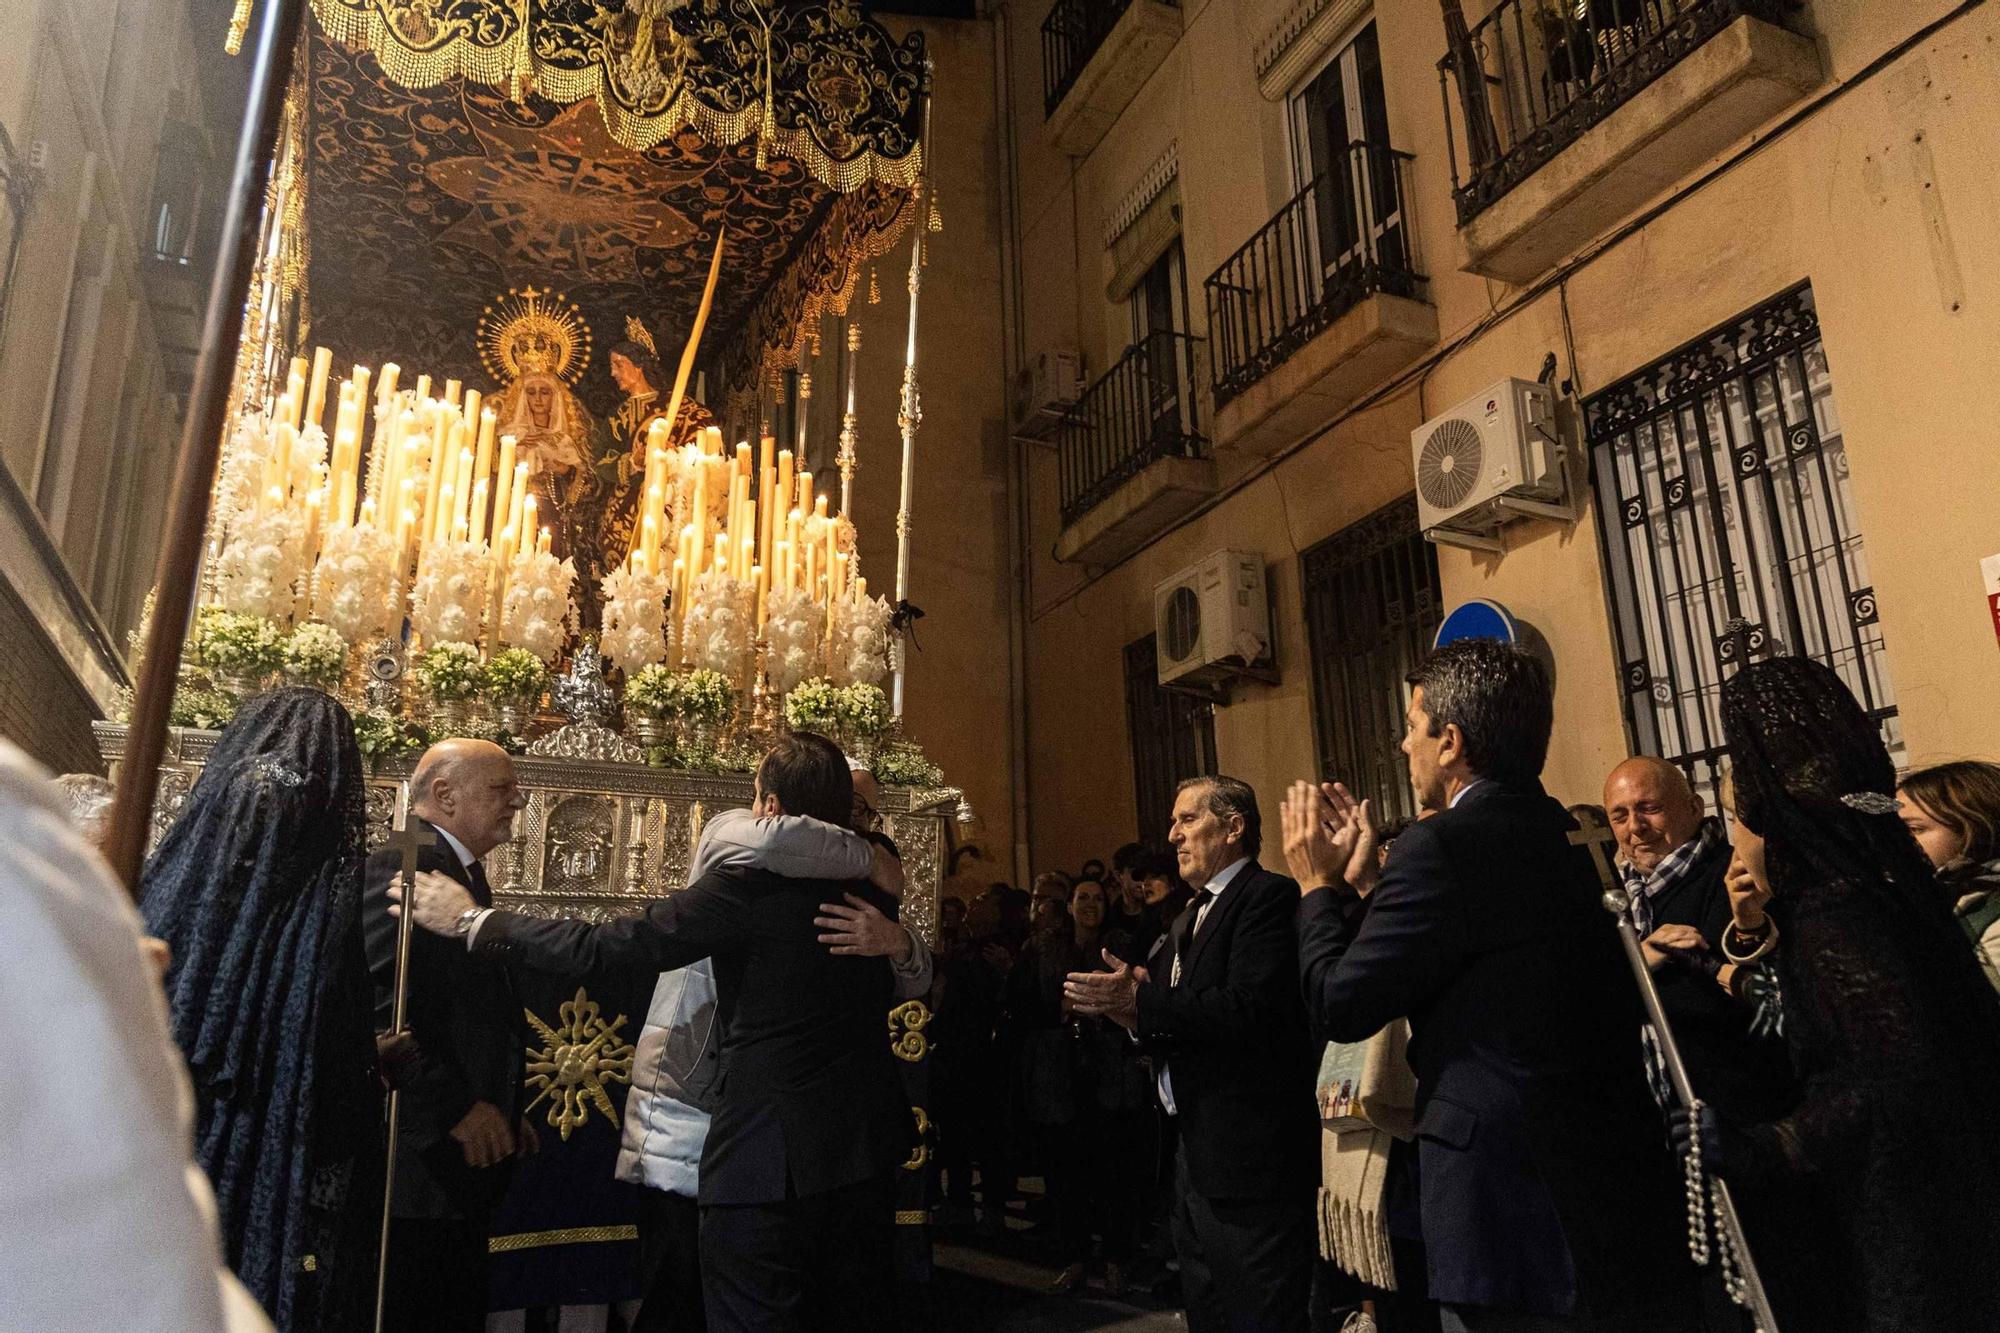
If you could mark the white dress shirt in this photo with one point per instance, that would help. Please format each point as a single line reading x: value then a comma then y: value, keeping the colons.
x: 1215, y: 887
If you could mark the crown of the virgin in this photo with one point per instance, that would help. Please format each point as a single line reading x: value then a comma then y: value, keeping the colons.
x: 528, y: 332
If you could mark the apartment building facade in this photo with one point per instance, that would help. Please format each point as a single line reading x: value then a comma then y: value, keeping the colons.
x: 1737, y: 243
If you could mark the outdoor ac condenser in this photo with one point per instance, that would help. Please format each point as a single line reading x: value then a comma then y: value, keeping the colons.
x: 1213, y: 623
x: 1488, y: 461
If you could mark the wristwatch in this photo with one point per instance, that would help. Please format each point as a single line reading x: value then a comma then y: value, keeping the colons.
x: 463, y: 926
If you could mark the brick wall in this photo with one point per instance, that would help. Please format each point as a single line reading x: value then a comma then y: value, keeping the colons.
x: 42, y: 708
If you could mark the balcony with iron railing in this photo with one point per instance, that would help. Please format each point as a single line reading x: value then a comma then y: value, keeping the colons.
x: 1565, y: 115
x: 1131, y: 456
x: 1325, y: 300
x: 1096, y: 54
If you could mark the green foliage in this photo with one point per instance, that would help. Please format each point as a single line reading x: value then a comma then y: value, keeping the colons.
x: 706, y: 698
x: 383, y: 737
x: 315, y: 655
x: 904, y: 765
x: 655, y: 690
x: 516, y: 673
x: 202, y: 706
x: 813, y: 705
x: 862, y: 709
x: 237, y: 644
x: 450, y: 672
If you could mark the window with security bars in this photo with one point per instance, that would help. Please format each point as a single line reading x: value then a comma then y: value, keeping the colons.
x: 1372, y: 607
x: 1173, y: 738
x: 1730, y: 531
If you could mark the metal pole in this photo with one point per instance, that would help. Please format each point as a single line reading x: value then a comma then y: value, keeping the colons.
x: 398, y: 1010
x: 912, y: 415
x: 201, y: 440
x: 1619, y: 904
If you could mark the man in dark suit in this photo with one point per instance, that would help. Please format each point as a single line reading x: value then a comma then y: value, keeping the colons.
x: 1547, y: 1189
x: 810, y: 1122
x: 458, y: 1114
x: 1217, y: 1006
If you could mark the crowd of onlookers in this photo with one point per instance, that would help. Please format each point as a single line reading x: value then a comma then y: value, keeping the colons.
x: 1025, y: 1087
x: 1806, y: 924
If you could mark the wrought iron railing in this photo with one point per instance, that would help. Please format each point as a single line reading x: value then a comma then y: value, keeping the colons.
x: 1139, y: 411
x: 1071, y: 34
x: 1533, y: 75
x: 1344, y: 236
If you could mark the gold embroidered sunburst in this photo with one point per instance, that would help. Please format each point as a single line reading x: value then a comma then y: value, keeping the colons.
x: 528, y: 330
x: 575, y: 1062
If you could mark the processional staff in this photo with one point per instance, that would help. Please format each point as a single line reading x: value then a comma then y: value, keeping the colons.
x: 1706, y: 1193
x: 410, y: 840
x: 201, y: 439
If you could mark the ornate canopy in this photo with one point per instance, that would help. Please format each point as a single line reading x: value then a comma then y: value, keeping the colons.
x: 462, y: 148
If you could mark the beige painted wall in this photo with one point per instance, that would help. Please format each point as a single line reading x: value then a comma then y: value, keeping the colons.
x: 959, y: 686
x: 1910, y: 315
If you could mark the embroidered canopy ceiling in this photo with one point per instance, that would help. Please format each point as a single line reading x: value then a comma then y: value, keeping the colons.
x: 457, y: 151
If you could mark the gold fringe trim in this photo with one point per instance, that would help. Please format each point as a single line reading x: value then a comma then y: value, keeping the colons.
x: 502, y: 66
x: 535, y: 1240
x: 912, y: 1217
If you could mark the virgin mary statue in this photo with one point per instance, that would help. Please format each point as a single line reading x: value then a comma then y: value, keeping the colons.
x: 538, y: 347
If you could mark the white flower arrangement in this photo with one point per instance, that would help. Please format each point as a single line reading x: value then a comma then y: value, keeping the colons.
x: 860, y: 653
x: 535, y: 614
x: 654, y: 691
x: 793, y: 625
x: 634, y: 619
x: 448, y: 599
x: 813, y: 705
x: 308, y: 460
x: 316, y: 655
x: 450, y: 672
x: 719, y: 624
x: 242, y: 469
x: 262, y: 565
x: 354, y: 585
x: 705, y: 698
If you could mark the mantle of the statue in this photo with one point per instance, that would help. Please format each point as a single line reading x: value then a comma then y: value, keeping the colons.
x: 597, y: 839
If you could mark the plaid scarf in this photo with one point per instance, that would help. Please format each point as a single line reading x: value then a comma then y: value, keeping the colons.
x: 1673, y: 868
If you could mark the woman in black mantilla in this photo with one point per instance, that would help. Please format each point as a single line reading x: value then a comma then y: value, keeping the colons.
x: 1892, y: 1025
x: 257, y: 890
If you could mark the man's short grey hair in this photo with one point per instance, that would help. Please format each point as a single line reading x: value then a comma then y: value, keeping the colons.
x: 1226, y: 796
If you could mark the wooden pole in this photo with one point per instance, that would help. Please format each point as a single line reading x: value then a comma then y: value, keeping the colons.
x: 201, y: 440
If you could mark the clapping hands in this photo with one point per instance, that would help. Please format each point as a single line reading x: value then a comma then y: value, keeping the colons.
x: 1330, y: 838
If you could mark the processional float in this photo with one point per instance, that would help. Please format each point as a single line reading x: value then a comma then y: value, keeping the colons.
x: 328, y: 519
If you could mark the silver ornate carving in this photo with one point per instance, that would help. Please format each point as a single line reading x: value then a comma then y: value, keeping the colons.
x: 585, y: 697
x: 385, y: 668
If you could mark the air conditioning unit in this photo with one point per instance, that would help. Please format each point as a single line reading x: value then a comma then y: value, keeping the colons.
x: 1488, y: 461
x: 1044, y: 392
x: 1212, y: 624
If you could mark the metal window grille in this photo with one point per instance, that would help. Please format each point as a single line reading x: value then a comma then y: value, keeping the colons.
x: 1173, y: 738
x: 1729, y: 529
x: 1071, y: 34
x: 1372, y: 606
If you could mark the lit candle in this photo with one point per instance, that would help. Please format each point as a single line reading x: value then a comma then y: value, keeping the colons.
x: 781, y: 499
x: 312, y: 518
x: 446, y: 511
x: 806, y: 491
x: 503, y: 484
x: 483, y: 464
x: 472, y: 397
x: 765, y: 453
x: 784, y: 576
x: 518, y: 498
x: 385, y: 392
x: 743, y: 458
x: 368, y: 513
x: 763, y: 594
x: 475, y: 522
x: 746, y: 562
x: 543, y: 544
x: 451, y: 388
x: 322, y: 365
x: 295, y: 392
x: 423, y: 387
x: 464, y: 490
x: 528, y: 527
x: 360, y: 381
